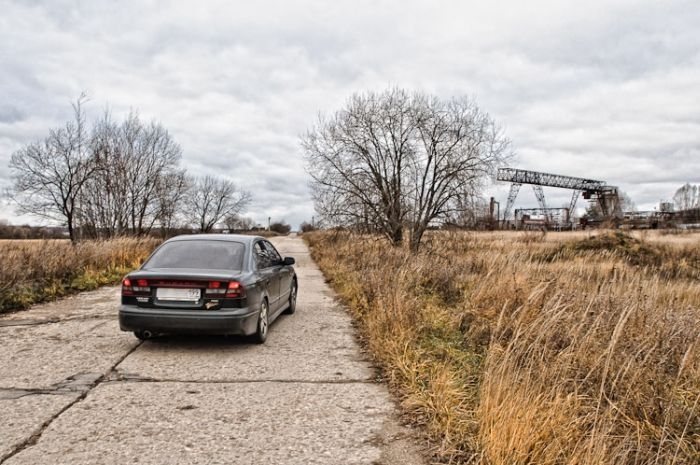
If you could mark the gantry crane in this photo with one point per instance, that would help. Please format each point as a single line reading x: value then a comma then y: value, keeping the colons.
x: 591, y: 189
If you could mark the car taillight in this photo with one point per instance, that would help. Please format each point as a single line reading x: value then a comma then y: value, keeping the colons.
x: 141, y: 288
x: 215, y: 289
x: 235, y: 290
x: 126, y: 287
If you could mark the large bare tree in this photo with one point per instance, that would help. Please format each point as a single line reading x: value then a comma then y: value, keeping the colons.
x: 49, y: 176
x: 212, y: 199
x: 398, y: 159
x: 358, y: 161
x: 458, y: 147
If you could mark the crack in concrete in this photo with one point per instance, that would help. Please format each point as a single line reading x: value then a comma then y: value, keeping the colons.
x: 51, y: 321
x: 75, y: 383
x: 82, y: 383
x: 18, y: 393
x: 11, y: 323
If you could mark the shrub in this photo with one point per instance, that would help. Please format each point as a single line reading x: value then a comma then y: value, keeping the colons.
x: 35, y: 271
x: 307, y: 227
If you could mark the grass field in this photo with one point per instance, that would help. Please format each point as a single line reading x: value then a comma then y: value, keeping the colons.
x: 526, y: 348
x: 33, y: 271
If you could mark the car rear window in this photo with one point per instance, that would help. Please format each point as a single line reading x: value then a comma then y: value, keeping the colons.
x: 198, y: 254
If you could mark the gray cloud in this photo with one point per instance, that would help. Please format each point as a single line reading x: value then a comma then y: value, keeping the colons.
x: 10, y: 114
x: 603, y: 89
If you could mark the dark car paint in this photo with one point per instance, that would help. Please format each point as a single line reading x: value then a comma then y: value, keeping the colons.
x: 227, y: 316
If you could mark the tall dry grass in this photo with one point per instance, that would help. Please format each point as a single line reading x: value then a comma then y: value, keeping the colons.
x: 32, y: 271
x: 521, y: 349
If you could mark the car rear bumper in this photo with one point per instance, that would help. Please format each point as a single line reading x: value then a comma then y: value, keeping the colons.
x: 232, y: 321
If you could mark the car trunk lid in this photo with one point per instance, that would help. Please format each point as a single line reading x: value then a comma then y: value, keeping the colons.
x: 186, y: 288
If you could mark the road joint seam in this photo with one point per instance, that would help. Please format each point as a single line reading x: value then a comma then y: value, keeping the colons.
x: 137, y: 379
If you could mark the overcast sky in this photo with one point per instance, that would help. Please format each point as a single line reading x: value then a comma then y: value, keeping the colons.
x: 602, y: 89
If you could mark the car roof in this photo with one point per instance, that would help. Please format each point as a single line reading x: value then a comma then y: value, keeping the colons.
x: 244, y: 238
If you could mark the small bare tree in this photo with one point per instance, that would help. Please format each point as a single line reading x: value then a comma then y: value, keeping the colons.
x: 212, y: 199
x: 625, y: 201
x: 687, y: 197
x: 396, y: 159
x: 49, y: 176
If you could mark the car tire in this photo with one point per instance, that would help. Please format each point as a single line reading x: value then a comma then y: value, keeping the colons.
x: 292, y: 304
x: 260, y: 335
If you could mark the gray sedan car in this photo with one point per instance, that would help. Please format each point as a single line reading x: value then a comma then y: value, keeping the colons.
x: 209, y: 284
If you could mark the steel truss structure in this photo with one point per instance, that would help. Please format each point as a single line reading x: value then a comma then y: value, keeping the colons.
x: 592, y: 189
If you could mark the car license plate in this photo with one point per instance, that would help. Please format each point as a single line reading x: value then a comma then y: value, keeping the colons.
x: 182, y: 295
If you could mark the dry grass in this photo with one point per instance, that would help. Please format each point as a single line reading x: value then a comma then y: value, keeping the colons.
x: 516, y: 348
x: 37, y: 270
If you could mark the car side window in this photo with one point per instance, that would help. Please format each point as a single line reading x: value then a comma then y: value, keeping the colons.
x: 261, y: 258
x: 272, y: 253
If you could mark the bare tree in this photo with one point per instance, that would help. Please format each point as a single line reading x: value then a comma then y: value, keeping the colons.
x: 458, y: 147
x: 103, y: 211
x: 171, y: 194
x: 151, y: 155
x: 236, y: 222
x: 625, y: 202
x: 139, y: 184
x: 398, y: 159
x: 212, y: 199
x: 472, y: 212
x: 49, y: 176
x: 358, y: 161
x: 687, y: 197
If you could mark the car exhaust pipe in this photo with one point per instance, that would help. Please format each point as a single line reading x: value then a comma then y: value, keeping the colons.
x: 147, y: 334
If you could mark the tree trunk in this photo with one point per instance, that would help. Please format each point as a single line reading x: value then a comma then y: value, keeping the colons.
x: 417, y: 232
x: 397, y: 236
x: 71, y: 230
x: 416, y: 237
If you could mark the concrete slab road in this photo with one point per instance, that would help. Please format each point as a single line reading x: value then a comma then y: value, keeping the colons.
x: 74, y: 389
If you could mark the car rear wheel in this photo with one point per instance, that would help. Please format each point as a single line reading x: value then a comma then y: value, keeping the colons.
x: 292, y: 299
x: 263, y: 323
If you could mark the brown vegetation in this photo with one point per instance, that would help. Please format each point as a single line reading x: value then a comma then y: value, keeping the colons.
x: 35, y: 271
x: 521, y: 349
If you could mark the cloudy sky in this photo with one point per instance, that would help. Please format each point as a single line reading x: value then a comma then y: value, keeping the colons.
x: 602, y: 89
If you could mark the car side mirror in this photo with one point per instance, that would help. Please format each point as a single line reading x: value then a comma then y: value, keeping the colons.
x: 288, y: 261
